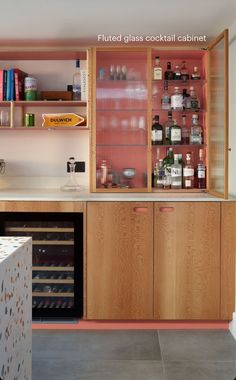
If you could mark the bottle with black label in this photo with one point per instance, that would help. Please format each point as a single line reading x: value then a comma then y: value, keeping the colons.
x: 169, y: 75
x: 157, y: 131
x: 175, y: 134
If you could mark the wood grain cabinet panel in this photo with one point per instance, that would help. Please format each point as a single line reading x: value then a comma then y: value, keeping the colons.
x: 228, y: 250
x: 187, y: 260
x: 119, y: 260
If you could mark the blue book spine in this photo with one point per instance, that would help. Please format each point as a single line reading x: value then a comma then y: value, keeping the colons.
x: 8, y: 95
x: 12, y: 85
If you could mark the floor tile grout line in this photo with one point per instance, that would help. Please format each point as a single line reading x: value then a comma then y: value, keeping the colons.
x: 162, y: 360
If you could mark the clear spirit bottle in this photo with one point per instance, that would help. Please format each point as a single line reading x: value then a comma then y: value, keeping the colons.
x: 188, y: 173
x: 201, y: 171
x: 165, y: 99
x: 167, y: 163
x: 175, y: 134
x: 176, y: 173
x: 196, y: 134
x: 167, y: 125
x: 157, y: 131
x: 159, y: 175
x: 76, y: 87
x: 157, y: 69
x: 177, y: 100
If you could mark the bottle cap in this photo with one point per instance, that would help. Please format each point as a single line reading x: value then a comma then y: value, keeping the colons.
x: 176, y: 156
x: 157, y: 57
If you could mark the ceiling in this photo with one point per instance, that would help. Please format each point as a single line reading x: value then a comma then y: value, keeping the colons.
x: 84, y: 20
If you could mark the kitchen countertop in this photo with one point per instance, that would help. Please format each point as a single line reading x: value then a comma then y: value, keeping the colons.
x: 84, y: 195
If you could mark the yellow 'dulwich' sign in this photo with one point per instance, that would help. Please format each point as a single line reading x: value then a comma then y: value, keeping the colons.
x: 62, y: 120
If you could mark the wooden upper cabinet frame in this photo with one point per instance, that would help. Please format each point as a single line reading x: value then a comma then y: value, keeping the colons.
x: 218, y: 117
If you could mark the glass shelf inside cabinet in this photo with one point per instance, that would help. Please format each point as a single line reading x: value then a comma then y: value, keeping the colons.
x: 180, y: 83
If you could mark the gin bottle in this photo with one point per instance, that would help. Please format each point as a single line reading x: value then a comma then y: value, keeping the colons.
x: 175, y: 134
x: 168, y: 124
x: 165, y: 99
x: 176, y: 173
x: 177, y: 100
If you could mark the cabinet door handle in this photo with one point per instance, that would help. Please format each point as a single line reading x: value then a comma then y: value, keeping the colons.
x: 167, y: 209
x: 140, y: 210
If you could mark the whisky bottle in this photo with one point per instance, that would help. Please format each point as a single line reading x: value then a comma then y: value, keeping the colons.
x: 175, y: 134
x: 196, y: 134
x: 177, y: 73
x: 193, y: 101
x: 157, y: 69
x: 195, y: 74
x: 177, y: 100
x: 169, y: 75
x: 185, y: 98
x: 201, y: 171
x: 188, y: 173
x: 185, y: 131
x: 157, y: 131
x: 167, y: 125
x: 184, y: 72
x: 176, y: 173
x: 165, y: 99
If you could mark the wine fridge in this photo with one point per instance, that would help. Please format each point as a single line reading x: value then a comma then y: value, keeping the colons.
x: 57, y: 271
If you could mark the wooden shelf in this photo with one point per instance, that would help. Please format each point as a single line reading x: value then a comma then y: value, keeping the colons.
x: 52, y: 281
x: 44, y: 103
x: 51, y: 294
x: 53, y: 269
x: 53, y: 242
x: 39, y: 229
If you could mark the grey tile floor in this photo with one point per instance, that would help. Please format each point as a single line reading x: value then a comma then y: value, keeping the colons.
x: 134, y: 355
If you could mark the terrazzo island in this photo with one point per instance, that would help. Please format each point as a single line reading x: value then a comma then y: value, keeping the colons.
x: 15, y: 308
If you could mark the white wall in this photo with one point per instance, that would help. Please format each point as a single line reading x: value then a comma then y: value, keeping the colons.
x: 232, y: 109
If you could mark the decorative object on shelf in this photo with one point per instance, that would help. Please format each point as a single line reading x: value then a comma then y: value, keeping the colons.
x: 5, y: 118
x: 62, y: 120
x: 29, y: 120
x: 30, y: 89
x: 71, y: 184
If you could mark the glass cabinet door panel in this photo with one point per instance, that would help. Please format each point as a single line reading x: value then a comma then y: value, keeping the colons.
x: 126, y: 167
x: 218, y: 116
x: 121, y: 119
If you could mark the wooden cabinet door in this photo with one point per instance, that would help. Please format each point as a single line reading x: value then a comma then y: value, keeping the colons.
x: 187, y: 260
x: 228, y: 250
x: 120, y: 260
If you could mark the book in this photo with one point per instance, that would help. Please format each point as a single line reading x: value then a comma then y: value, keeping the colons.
x: 19, y: 77
x: 10, y: 85
x: 4, y: 84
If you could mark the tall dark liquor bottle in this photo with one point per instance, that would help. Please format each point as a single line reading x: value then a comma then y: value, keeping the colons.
x: 169, y: 74
x: 157, y: 131
x: 201, y: 172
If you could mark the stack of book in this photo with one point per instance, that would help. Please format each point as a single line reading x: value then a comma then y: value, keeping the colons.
x: 12, y: 84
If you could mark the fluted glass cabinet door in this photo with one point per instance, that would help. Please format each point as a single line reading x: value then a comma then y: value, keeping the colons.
x: 218, y: 116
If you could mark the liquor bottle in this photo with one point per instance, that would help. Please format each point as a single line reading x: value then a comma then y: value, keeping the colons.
x: 195, y: 74
x: 169, y: 75
x: 167, y: 125
x: 157, y: 69
x: 118, y: 72
x: 77, y: 82
x: 193, y: 102
x: 185, y: 98
x: 159, y: 175
x: 188, y: 173
x: 201, y: 172
x: 184, y: 72
x: 175, y: 134
x: 177, y: 73
x: 104, y: 173
x: 177, y: 100
x: 165, y: 99
x: 196, y: 134
x: 157, y: 131
x: 185, y: 131
x: 176, y: 173
x: 167, y: 163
